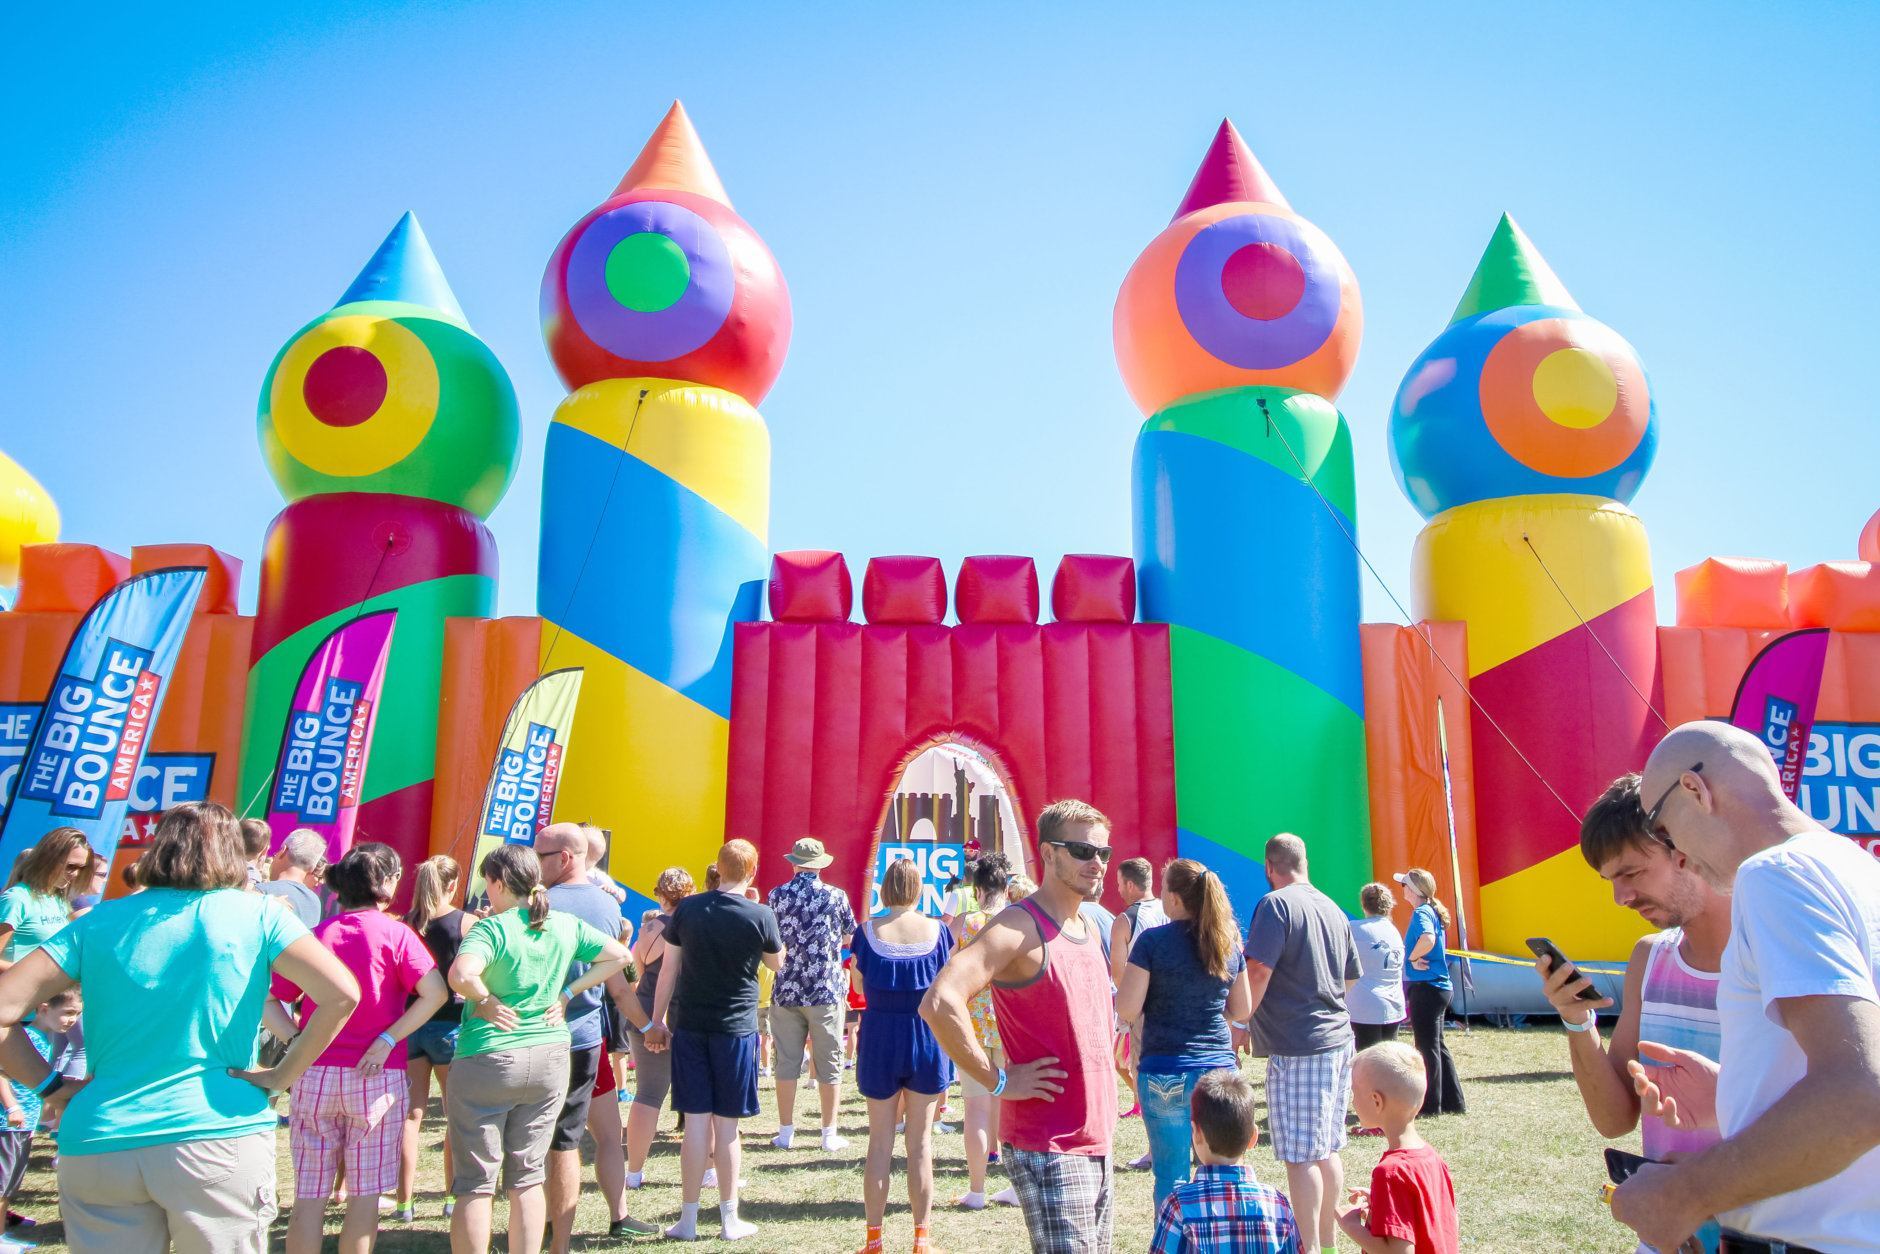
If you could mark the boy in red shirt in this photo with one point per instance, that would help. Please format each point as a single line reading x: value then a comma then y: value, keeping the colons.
x: 1410, y: 1207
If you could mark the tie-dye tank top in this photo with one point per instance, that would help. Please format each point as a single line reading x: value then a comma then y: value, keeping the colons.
x: 1677, y: 1007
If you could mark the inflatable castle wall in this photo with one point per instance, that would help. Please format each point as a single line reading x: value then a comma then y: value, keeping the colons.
x: 730, y: 691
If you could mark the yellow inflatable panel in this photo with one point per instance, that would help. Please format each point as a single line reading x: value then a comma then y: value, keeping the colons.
x: 1565, y: 900
x: 27, y: 516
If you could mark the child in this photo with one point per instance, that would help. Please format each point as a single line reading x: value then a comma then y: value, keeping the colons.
x: 1224, y: 1210
x: 1410, y: 1207
x: 766, y: 985
x: 55, y: 1016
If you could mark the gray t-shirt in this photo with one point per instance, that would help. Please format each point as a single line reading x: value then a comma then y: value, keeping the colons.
x: 1306, y: 939
x: 595, y: 907
x: 303, y: 901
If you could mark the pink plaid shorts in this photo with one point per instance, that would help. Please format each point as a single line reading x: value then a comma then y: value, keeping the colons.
x: 347, y: 1112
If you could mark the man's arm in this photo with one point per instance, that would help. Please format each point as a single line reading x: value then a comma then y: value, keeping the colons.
x: 1815, y: 1130
x: 657, y: 1033
x: 1002, y: 942
x: 1259, y: 975
x: 1119, y: 950
x: 1600, y: 1071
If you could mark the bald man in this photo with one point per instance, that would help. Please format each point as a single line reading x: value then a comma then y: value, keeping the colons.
x: 1798, y: 1097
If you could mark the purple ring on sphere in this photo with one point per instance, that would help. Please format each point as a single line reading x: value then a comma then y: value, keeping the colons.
x: 1231, y: 336
x: 661, y: 335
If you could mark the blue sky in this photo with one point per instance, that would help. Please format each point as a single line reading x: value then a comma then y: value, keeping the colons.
x: 954, y: 195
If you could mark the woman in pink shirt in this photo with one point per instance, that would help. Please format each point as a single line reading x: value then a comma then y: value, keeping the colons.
x: 350, y: 1105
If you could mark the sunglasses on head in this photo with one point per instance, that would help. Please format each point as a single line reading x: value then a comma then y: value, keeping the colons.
x: 1083, y: 850
x: 1651, y: 815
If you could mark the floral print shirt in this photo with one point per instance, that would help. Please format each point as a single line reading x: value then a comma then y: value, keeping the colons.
x: 815, y: 920
x: 985, y: 1023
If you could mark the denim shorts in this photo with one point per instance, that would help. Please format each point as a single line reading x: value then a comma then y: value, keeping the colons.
x: 435, y: 1042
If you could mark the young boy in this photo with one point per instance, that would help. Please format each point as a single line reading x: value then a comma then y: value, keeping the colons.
x: 1410, y: 1207
x: 1224, y: 1210
x: 55, y: 1016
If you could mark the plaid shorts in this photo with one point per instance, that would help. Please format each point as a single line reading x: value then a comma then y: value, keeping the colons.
x: 1306, y: 1098
x: 350, y: 1113
x: 1066, y: 1200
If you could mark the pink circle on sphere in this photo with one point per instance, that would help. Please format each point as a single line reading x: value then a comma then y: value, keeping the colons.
x: 344, y: 386
x: 1263, y: 281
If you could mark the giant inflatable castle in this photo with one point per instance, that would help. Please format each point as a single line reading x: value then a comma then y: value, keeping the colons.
x: 1212, y: 688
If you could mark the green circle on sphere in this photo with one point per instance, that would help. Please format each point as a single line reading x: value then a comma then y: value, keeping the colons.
x: 648, y: 272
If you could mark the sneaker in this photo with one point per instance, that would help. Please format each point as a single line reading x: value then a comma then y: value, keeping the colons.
x: 14, y: 1243
x: 406, y: 1214
x: 450, y: 1206
x: 1134, y: 1112
x: 387, y: 1204
x: 943, y: 1129
x: 631, y: 1227
x: 1142, y: 1163
x: 992, y: 1159
x: 17, y: 1220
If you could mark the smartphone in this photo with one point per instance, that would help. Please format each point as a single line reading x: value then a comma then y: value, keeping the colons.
x: 1620, y: 1165
x: 1544, y: 948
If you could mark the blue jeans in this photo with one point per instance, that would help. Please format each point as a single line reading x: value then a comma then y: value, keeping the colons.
x: 1166, y: 1118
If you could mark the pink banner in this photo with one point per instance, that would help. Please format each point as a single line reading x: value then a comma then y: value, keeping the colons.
x: 1776, y: 699
x: 319, y: 775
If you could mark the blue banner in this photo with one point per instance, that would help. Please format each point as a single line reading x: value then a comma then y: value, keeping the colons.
x: 84, y: 760
x: 164, y: 780
x: 1841, y: 779
x: 937, y: 865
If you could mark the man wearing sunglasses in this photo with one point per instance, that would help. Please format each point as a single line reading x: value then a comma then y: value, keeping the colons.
x: 1798, y: 1100
x: 1051, y: 993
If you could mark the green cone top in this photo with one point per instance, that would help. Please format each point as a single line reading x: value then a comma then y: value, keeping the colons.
x: 1511, y: 272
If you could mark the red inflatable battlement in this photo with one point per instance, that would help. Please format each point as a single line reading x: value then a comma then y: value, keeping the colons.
x: 826, y: 713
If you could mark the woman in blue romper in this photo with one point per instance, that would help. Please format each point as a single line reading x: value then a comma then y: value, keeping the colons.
x: 896, y: 957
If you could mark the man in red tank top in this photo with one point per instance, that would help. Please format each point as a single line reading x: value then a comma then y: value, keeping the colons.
x: 1051, y: 993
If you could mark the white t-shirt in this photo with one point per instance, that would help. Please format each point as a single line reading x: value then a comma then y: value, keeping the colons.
x: 1377, y: 997
x: 1804, y: 922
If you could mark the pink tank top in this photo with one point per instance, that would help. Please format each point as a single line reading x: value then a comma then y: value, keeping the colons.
x: 1065, y: 1012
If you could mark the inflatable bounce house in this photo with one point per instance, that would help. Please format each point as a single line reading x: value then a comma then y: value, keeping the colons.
x: 1209, y: 690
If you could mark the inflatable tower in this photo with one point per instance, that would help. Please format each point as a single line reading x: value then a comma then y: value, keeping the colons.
x: 391, y: 429
x: 1234, y: 330
x: 1521, y: 433
x: 669, y: 319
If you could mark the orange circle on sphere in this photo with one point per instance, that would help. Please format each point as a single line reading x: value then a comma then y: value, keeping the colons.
x: 1572, y: 443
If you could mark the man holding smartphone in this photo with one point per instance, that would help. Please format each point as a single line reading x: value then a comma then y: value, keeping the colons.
x: 1670, y: 982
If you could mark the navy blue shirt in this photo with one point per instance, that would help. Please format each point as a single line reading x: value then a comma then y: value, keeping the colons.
x: 1424, y: 921
x: 1184, y: 1015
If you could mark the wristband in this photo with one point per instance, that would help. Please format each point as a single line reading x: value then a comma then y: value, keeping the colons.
x: 1000, y: 1086
x: 1578, y: 1027
x: 387, y: 1038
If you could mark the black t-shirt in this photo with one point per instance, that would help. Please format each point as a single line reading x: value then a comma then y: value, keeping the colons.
x: 724, y: 937
x: 443, y: 936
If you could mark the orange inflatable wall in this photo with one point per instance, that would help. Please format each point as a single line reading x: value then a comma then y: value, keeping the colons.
x: 1409, y: 815
x: 487, y: 664
x: 195, y: 750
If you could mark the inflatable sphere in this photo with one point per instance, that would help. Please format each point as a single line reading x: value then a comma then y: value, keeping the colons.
x: 27, y: 516
x: 391, y: 391
x: 1519, y: 398
x: 665, y: 280
x: 1236, y: 293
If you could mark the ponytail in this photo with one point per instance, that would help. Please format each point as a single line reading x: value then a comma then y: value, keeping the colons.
x: 520, y: 873
x: 1211, y: 915
x: 1425, y: 884
x: 431, y: 891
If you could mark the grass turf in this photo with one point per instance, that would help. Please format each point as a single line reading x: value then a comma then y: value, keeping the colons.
x: 1526, y: 1162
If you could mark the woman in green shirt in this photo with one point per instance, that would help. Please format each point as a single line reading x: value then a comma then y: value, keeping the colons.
x: 39, y: 902
x: 510, y: 1074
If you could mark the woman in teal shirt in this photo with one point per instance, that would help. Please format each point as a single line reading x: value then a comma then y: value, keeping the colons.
x: 1426, y: 989
x: 509, y: 1077
x: 174, y: 981
x: 39, y: 902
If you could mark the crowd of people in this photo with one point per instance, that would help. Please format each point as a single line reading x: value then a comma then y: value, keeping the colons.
x: 232, y: 985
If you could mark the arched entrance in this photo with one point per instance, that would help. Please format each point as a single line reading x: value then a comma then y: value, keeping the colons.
x: 951, y: 802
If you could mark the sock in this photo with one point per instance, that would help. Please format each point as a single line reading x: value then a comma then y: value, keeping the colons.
x: 974, y: 1200
x: 831, y: 1139
x: 687, y: 1227
x: 735, y: 1229
x: 873, y: 1244
x: 785, y: 1138
x: 921, y: 1239
x: 635, y: 1179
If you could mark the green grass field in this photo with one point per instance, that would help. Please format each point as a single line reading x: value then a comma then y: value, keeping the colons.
x: 1526, y: 1163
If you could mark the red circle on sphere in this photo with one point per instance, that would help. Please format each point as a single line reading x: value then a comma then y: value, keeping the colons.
x: 344, y: 386
x: 1263, y: 281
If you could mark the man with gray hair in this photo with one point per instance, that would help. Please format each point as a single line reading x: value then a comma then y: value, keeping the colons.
x: 1798, y: 1002
x: 1300, y: 962
x: 294, y: 874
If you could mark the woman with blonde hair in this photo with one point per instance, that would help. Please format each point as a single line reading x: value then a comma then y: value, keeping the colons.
x: 1376, y: 1000
x: 1186, y: 980
x: 441, y: 926
x: 652, y: 1069
x: 1426, y: 988
x: 39, y: 901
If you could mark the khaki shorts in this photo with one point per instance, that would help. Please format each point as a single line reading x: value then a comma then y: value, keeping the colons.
x: 970, y: 1087
x: 502, y: 1109
x: 193, y: 1197
x: 817, y: 1029
x: 763, y: 1020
